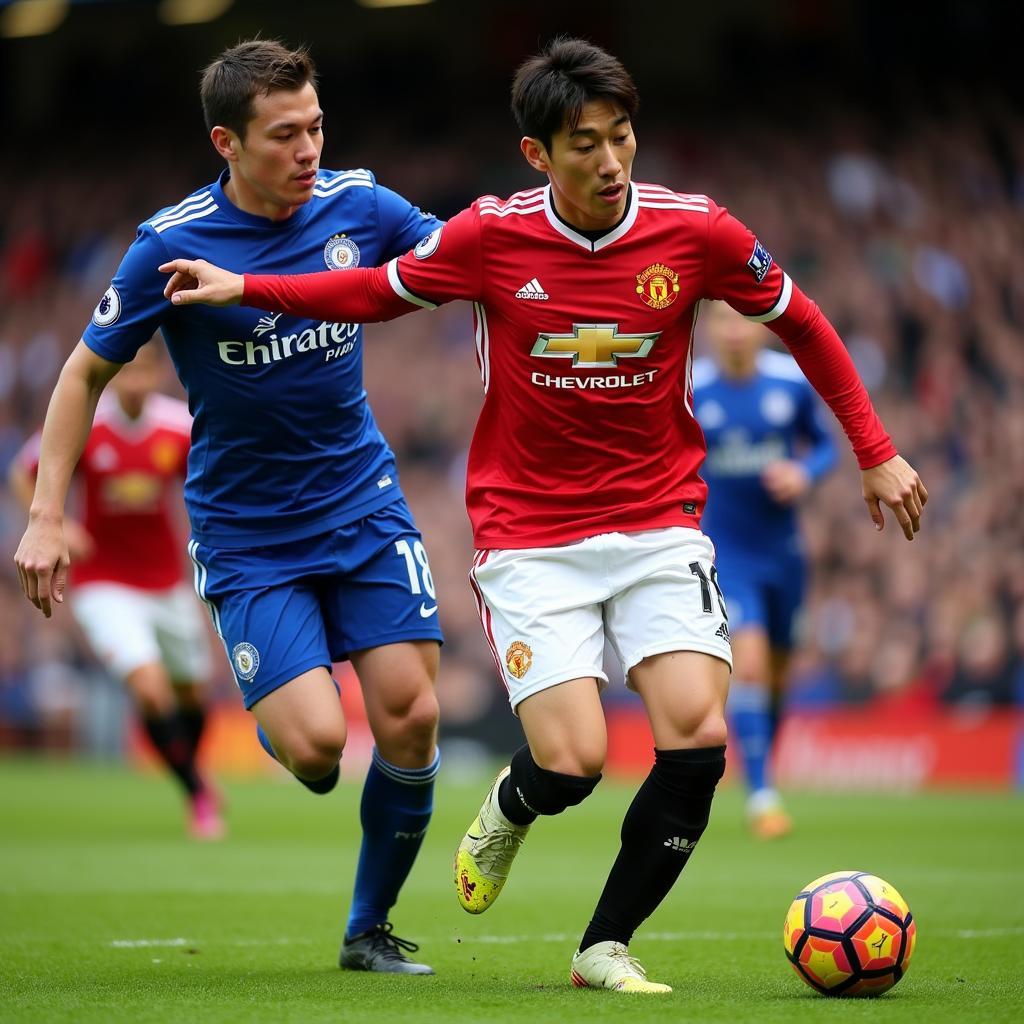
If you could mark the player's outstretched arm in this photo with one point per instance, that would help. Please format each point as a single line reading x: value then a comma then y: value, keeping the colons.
x: 196, y: 281
x: 42, y: 556
x: 895, y: 483
x: 361, y: 295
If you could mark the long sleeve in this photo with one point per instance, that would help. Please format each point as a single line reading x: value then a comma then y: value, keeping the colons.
x: 359, y: 296
x: 825, y: 362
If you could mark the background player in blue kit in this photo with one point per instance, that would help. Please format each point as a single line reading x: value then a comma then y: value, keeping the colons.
x: 767, y: 445
x: 303, y: 546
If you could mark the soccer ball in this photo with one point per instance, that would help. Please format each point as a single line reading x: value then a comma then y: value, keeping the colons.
x: 849, y: 934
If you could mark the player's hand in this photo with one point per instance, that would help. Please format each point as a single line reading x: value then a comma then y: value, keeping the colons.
x: 896, y: 484
x: 195, y: 281
x: 42, y: 560
x: 81, y: 545
x: 786, y: 481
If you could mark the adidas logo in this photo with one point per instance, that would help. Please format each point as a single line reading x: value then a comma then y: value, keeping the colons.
x: 723, y: 632
x: 533, y: 290
x: 680, y: 845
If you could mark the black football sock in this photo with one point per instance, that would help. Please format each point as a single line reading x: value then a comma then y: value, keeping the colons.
x: 170, y: 737
x: 666, y: 818
x: 529, y: 790
x: 193, y: 718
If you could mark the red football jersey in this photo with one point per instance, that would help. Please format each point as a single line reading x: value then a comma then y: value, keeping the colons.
x: 584, y: 348
x: 130, y: 471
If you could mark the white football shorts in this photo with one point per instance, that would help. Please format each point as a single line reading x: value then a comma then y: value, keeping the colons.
x: 127, y: 627
x: 546, y: 612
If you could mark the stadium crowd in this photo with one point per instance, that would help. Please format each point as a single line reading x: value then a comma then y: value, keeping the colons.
x: 908, y: 236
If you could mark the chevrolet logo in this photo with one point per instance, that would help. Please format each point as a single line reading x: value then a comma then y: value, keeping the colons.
x: 594, y: 345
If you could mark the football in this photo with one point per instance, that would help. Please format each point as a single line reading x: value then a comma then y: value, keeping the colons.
x: 849, y: 934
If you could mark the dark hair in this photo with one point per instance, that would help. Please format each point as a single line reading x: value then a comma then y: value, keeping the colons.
x: 254, y: 68
x: 552, y: 87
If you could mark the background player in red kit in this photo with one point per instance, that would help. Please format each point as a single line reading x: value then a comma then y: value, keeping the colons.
x: 582, y: 477
x: 129, y: 596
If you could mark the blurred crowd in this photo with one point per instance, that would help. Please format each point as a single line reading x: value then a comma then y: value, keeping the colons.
x: 908, y: 233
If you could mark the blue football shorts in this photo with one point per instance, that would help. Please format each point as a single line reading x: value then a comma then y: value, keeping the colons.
x: 762, y: 592
x: 284, y: 609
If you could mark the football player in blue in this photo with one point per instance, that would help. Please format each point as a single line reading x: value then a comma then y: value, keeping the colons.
x: 303, y: 546
x: 767, y: 445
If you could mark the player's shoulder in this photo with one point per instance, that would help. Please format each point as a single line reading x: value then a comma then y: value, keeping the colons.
x: 704, y: 372
x: 651, y: 196
x: 355, y: 183
x: 196, y: 206
x: 518, y: 208
x: 779, y: 366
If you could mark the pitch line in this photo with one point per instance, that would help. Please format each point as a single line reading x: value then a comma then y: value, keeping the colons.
x: 559, y: 937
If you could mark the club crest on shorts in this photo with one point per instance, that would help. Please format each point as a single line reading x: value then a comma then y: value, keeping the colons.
x: 519, y: 658
x: 341, y: 253
x: 658, y: 286
x: 108, y: 309
x: 246, y: 660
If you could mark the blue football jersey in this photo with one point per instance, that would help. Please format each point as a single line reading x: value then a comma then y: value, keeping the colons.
x: 774, y: 414
x: 284, y: 444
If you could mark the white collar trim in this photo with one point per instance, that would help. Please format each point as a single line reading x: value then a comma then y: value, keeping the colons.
x: 581, y: 240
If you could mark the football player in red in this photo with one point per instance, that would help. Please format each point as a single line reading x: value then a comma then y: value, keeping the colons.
x: 131, y: 599
x: 582, y: 480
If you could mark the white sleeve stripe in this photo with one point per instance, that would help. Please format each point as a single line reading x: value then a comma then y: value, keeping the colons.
x: 329, y: 190
x: 780, y: 307
x: 400, y: 289
x: 205, y: 212
x: 183, y: 208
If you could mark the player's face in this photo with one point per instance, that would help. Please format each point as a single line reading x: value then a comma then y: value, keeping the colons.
x: 589, y: 169
x: 735, y: 339
x: 273, y: 169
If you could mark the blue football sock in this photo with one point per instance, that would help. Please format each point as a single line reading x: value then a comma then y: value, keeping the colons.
x: 749, y: 707
x: 395, y: 810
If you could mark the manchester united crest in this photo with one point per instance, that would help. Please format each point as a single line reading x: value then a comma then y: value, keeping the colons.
x: 519, y: 658
x: 658, y: 286
x: 164, y: 455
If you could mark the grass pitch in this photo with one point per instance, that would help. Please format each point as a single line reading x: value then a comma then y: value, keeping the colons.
x: 108, y: 914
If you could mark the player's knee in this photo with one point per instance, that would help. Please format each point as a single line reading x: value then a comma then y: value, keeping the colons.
x: 411, y: 728
x: 150, y: 690
x: 710, y: 731
x: 314, y: 752
x: 544, y: 791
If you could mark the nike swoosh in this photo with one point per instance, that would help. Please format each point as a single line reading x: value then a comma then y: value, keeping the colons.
x: 426, y: 612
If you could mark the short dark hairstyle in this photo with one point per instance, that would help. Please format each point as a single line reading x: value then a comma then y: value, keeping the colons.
x: 552, y: 87
x: 254, y: 68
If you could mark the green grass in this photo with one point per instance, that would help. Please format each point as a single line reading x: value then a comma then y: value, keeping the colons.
x: 93, y: 864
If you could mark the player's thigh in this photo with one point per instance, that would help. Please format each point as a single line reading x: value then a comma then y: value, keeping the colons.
x: 541, y: 612
x: 381, y: 592
x: 565, y: 727
x: 266, y: 612
x: 118, y: 626
x: 684, y: 694
x: 397, y: 681
x: 181, y: 634
x: 666, y: 598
